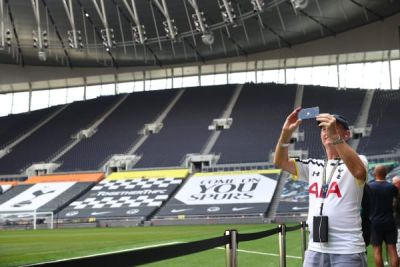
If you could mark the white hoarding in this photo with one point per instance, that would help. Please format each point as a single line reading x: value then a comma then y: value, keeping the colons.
x: 35, y: 196
x: 227, y: 189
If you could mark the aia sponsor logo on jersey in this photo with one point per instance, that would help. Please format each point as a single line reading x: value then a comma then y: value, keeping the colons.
x: 315, y: 190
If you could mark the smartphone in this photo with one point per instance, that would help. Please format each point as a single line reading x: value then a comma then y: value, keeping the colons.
x: 308, y: 113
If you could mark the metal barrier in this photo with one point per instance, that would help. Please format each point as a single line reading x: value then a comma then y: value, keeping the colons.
x: 281, y: 230
x: 230, y: 240
x: 231, y: 248
x: 282, y: 245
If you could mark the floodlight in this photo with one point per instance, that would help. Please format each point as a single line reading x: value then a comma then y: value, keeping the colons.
x: 208, y: 38
x: 42, y: 55
x: 299, y: 4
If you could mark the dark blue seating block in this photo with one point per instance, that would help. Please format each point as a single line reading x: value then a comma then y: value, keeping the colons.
x: 13, y: 126
x: 118, y: 131
x: 257, y: 121
x: 55, y: 134
x: 384, y: 117
x: 186, y: 126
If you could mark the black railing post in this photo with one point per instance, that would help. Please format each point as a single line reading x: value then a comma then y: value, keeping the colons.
x: 282, y: 245
x: 303, y: 239
x: 231, y: 249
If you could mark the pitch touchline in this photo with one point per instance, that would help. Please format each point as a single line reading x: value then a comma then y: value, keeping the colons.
x: 263, y: 253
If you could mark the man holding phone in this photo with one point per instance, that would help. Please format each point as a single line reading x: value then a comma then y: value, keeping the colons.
x: 335, y: 190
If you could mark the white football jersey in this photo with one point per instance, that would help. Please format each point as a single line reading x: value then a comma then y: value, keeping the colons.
x: 342, y: 204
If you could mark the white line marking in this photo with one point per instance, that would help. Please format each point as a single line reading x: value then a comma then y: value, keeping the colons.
x: 263, y: 253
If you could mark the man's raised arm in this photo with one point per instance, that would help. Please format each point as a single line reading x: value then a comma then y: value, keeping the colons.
x: 281, y: 158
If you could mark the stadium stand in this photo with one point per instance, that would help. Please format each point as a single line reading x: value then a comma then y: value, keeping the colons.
x: 382, y: 115
x: 185, y: 128
x: 15, y: 125
x: 117, y: 133
x: 257, y: 118
x: 55, y: 134
x: 244, y: 148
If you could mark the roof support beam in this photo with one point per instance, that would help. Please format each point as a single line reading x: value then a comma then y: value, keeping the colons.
x: 36, y: 12
x: 134, y: 16
x: 58, y: 34
x: 202, y: 27
x: 70, y: 14
x: 280, y: 38
x: 145, y: 47
x: 243, y: 23
x: 2, y: 41
x: 367, y: 9
x: 97, y: 32
x: 103, y: 17
x: 121, y: 29
x: 258, y: 5
x: 189, y: 22
x: 227, y: 11
x: 20, y: 54
x: 200, y: 24
x: 281, y: 18
x: 168, y: 23
x: 323, y: 26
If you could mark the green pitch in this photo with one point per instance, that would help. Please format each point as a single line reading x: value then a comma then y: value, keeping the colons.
x: 27, y: 246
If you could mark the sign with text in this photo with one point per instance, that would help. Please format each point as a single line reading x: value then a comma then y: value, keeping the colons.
x: 241, y: 188
x: 219, y: 193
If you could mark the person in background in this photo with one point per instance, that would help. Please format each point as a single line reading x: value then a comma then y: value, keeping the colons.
x: 383, y: 226
x: 396, y: 207
x: 335, y: 192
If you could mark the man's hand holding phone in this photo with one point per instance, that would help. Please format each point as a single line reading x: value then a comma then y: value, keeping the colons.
x: 308, y: 113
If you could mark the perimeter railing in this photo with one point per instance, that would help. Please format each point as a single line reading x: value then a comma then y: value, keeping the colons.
x: 230, y: 240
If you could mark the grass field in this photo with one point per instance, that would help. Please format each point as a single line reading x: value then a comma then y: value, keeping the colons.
x: 27, y: 246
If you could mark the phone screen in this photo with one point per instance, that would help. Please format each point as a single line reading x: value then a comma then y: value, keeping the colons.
x: 308, y: 113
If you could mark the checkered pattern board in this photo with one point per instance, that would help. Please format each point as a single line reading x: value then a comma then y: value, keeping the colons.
x: 136, y: 184
x: 111, y: 194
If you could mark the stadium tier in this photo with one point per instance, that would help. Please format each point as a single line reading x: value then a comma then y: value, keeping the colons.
x: 383, y: 116
x: 185, y: 128
x: 116, y: 133
x: 257, y: 121
x: 54, y: 135
x: 13, y: 126
x: 257, y: 117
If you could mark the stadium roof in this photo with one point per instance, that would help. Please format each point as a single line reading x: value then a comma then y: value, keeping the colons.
x: 250, y: 26
x: 99, y: 41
